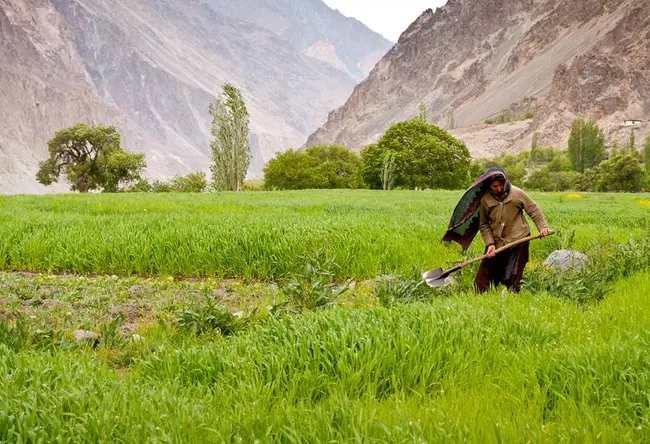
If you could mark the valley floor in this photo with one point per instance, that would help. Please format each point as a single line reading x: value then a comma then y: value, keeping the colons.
x: 138, y: 327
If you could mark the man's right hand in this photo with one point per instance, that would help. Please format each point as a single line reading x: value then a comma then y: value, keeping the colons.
x: 490, y: 251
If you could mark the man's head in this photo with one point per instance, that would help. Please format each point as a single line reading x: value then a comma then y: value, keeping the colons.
x: 497, y: 186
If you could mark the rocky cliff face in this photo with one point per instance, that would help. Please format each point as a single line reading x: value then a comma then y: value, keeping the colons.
x: 470, y: 61
x: 44, y: 87
x: 151, y: 67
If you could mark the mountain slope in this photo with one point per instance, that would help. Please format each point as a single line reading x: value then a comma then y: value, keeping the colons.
x: 313, y: 28
x: 152, y: 67
x: 469, y: 61
x: 44, y: 87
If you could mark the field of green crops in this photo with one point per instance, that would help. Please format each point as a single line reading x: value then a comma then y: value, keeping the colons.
x: 300, y: 317
x: 268, y: 235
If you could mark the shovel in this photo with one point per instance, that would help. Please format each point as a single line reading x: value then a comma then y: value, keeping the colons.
x: 436, y: 278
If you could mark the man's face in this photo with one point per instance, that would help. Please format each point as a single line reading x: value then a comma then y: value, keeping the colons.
x: 496, y: 187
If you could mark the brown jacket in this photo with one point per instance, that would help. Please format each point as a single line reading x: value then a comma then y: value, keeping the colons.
x: 503, y: 222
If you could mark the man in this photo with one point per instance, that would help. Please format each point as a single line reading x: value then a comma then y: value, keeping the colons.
x: 496, y: 208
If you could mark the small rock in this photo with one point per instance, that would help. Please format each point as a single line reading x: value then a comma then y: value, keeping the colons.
x: 238, y: 314
x: 567, y: 259
x: 84, y: 335
x: 136, y: 338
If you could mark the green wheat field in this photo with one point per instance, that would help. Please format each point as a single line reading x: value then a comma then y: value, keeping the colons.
x: 301, y: 317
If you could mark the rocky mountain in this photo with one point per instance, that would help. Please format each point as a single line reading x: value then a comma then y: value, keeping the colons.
x: 472, y: 61
x: 151, y: 68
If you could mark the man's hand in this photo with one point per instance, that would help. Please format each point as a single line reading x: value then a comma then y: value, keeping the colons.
x: 490, y: 251
x: 544, y: 232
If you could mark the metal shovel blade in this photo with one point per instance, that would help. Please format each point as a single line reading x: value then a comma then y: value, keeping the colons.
x: 435, y: 278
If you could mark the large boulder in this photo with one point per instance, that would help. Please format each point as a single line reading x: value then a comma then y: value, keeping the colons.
x: 567, y: 260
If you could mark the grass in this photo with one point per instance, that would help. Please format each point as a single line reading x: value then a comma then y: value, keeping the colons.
x: 266, y: 235
x: 463, y: 368
x: 301, y: 317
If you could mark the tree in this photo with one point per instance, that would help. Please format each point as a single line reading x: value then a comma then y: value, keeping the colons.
x: 632, y: 143
x: 586, y: 145
x: 425, y: 156
x: 190, y: 183
x: 91, y: 158
x: 423, y: 113
x: 318, y: 167
x: 231, y: 152
x: 620, y: 173
x: 388, y: 172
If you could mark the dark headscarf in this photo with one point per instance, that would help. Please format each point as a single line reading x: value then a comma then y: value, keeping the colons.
x: 465, y: 220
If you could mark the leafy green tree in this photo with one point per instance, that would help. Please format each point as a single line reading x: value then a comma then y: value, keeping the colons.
x: 586, y: 145
x: 231, y: 151
x: 91, y: 158
x: 515, y: 166
x: 159, y: 186
x: 425, y: 157
x: 620, y: 173
x: 632, y: 142
x: 539, y: 179
x: 423, y: 113
x: 388, y: 172
x: 318, y: 167
x: 190, y: 183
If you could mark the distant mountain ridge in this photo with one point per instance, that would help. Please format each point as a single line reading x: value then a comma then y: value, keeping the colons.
x: 470, y: 61
x: 151, y: 67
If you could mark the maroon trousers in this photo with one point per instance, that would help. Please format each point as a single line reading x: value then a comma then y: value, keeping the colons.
x: 506, y: 268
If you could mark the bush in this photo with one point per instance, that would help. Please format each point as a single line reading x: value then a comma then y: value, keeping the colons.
x: 190, y: 183
x: 161, y: 187
x: 318, y: 167
x: 425, y: 156
x: 620, y: 173
x: 513, y: 164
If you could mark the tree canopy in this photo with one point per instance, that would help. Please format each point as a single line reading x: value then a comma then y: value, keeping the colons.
x: 586, y: 145
x: 421, y: 156
x: 90, y: 158
x: 320, y: 166
x: 230, y: 145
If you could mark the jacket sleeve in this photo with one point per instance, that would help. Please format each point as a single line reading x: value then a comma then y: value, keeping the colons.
x: 486, y: 230
x: 534, y: 211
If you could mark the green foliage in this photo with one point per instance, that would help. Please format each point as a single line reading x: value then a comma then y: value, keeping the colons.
x: 423, y: 113
x: 632, y: 143
x: 317, y: 167
x: 388, y: 171
x: 190, y: 183
x: 159, y: 186
x: 514, y: 165
x: 425, y: 156
x: 620, y: 173
x: 265, y: 236
x: 122, y: 167
x: 141, y: 186
x: 209, y: 318
x: 230, y: 145
x: 91, y: 158
x: 586, y: 145
x: 314, y: 288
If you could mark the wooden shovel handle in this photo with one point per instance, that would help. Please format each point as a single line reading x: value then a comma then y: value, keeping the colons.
x: 504, y: 248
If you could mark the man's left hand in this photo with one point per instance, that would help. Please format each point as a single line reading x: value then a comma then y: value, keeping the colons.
x: 544, y: 232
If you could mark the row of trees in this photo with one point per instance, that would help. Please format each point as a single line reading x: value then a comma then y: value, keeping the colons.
x: 410, y: 154
x: 92, y: 157
x: 585, y: 166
